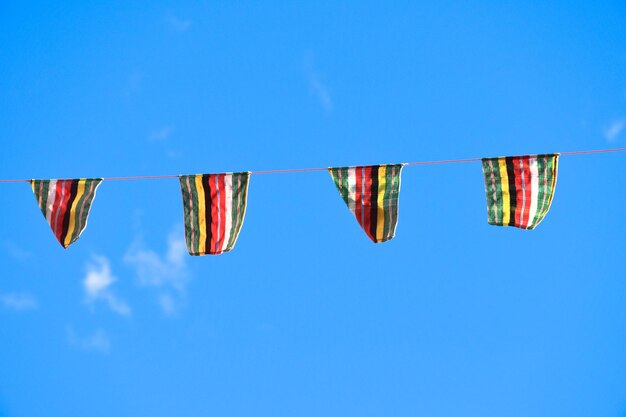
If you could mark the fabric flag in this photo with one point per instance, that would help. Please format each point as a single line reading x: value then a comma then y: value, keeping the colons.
x: 215, y: 206
x: 371, y: 193
x: 65, y: 204
x: 519, y: 189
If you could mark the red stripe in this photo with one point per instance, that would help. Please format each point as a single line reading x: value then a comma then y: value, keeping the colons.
x: 220, y: 243
x: 367, y: 202
x: 65, y: 207
x: 358, y: 172
x: 214, y: 208
x: 528, y: 191
x: 54, y: 212
x: 519, y: 197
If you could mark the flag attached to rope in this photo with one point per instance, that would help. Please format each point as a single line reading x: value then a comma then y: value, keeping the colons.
x: 371, y: 193
x: 215, y: 206
x: 519, y: 189
x: 65, y: 204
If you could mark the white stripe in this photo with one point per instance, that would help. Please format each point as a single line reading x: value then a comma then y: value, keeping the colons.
x: 52, y: 186
x: 351, y: 188
x: 534, y: 188
x: 393, y: 233
x: 228, y: 188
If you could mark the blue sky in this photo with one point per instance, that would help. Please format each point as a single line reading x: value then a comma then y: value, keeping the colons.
x: 306, y: 317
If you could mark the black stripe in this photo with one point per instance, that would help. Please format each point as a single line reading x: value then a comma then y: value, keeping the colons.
x: 206, y: 183
x: 66, y: 218
x: 374, y: 202
x: 510, y: 170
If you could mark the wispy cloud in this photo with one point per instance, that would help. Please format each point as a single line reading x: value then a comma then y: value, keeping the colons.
x: 18, y: 301
x: 166, y: 273
x: 159, y: 135
x: 613, y: 130
x: 16, y: 252
x: 132, y: 87
x: 177, y: 23
x: 317, y: 87
x: 97, y: 285
x: 99, y: 341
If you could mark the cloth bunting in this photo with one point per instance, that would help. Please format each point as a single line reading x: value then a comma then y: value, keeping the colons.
x: 371, y: 193
x: 215, y: 206
x: 65, y: 204
x: 519, y: 189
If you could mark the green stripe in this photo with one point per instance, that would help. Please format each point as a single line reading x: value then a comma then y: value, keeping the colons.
x: 242, y: 196
x: 44, y: 185
x: 345, y: 186
x: 81, y: 222
x: 488, y: 191
x: 550, y: 164
x: 237, y: 182
x: 183, y: 188
x: 387, y: 203
x: 341, y: 183
x: 495, y: 207
x: 393, y: 201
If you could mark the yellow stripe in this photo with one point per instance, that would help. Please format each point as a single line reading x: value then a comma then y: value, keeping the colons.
x: 504, y: 186
x: 80, y: 190
x: 201, y: 215
x: 380, y: 226
x: 32, y: 185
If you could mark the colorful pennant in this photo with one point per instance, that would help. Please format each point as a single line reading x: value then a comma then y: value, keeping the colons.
x: 65, y: 204
x: 371, y: 193
x: 214, y: 206
x: 519, y: 189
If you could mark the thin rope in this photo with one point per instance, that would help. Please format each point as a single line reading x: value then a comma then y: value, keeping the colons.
x: 297, y: 170
x: 444, y: 161
x: 140, y: 177
x: 594, y: 151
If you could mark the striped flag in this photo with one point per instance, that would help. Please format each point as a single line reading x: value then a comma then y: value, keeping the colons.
x: 215, y: 206
x: 519, y: 189
x: 65, y: 204
x: 371, y: 193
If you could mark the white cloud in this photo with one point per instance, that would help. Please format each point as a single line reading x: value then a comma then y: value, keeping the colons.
x: 97, y: 285
x: 167, y: 273
x: 98, y: 341
x: 18, y: 301
x: 178, y: 24
x: 161, y: 134
x: 614, y: 129
x: 318, y: 88
x: 167, y: 304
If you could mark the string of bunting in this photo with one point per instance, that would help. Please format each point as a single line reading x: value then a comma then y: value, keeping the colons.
x: 518, y: 190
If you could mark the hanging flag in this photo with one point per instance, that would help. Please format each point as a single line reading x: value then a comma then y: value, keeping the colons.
x: 371, y: 193
x: 519, y: 189
x: 65, y: 204
x: 215, y: 206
